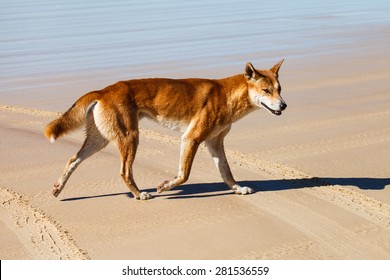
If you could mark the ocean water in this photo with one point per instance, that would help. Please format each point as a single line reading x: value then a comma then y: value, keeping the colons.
x: 44, y: 38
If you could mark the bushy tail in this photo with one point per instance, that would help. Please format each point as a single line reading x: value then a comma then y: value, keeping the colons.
x: 71, y: 119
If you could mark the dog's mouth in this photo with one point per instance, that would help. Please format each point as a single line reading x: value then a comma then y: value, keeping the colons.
x: 275, y: 112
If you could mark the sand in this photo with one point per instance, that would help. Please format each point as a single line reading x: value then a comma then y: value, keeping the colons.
x: 320, y: 175
x: 320, y: 171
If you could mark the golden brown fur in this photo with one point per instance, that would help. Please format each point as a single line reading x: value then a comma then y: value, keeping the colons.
x: 203, y: 109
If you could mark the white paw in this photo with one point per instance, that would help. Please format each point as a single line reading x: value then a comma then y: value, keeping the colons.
x: 242, y: 190
x: 145, y: 196
x: 165, y: 186
x: 246, y: 190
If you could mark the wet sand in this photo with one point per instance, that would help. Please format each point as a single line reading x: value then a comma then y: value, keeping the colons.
x: 320, y: 171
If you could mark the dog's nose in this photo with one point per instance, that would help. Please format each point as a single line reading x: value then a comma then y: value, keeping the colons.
x: 283, y: 106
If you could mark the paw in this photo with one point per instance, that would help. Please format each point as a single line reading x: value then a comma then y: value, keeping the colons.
x: 164, y: 186
x: 242, y: 190
x: 145, y: 196
x: 56, y: 189
x: 246, y: 190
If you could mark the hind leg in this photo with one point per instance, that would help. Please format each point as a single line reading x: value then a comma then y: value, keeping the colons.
x: 128, y: 147
x: 92, y: 144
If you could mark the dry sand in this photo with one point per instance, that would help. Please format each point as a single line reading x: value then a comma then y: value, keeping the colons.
x: 320, y: 173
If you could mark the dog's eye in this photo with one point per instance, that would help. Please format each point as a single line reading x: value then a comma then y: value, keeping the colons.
x: 266, y: 90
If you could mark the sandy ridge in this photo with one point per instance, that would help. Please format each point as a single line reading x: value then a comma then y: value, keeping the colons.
x: 28, y: 111
x: 376, y: 211
x: 325, y: 232
x: 344, y: 142
x: 42, y: 236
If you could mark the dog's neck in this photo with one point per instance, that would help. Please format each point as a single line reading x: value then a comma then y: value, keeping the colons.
x: 238, y: 101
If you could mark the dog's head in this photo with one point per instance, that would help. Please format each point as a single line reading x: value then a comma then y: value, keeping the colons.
x: 264, y: 88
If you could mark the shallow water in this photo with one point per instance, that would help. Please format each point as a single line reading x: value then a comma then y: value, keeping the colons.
x: 47, y: 38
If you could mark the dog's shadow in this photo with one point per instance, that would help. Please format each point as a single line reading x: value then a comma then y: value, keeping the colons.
x: 219, y: 189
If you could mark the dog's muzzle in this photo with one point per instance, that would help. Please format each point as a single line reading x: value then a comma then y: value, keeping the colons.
x: 282, y: 107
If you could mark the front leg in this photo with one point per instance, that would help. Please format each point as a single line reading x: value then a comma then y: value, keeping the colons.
x: 188, y: 150
x: 217, y: 151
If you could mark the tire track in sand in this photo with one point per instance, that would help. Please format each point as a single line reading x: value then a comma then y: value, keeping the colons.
x: 28, y: 111
x: 331, y: 145
x: 319, y: 124
x: 41, y: 235
x: 347, y: 198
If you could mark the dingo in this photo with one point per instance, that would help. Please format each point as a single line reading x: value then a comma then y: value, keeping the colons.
x: 203, y: 109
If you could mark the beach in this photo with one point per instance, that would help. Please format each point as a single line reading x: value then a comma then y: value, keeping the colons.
x: 320, y: 171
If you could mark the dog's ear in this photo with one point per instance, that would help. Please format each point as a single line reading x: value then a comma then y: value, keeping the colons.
x: 250, y: 71
x: 276, y: 67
